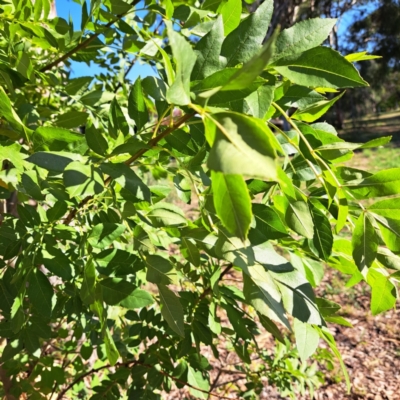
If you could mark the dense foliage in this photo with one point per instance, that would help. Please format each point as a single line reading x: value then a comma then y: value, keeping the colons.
x: 126, y: 206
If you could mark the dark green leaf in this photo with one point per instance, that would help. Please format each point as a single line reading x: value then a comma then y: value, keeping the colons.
x: 323, y: 238
x: 40, y: 293
x: 268, y: 225
x: 364, y: 242
x: 208, y: 51
x: 232, y: 203
x: 246, y: 40
x: 127, y: 178
x: 185, y: 58
x: 171, y: 309
x: 383, y: 296
x: 159, y: 270
x: 71, y: 119
x: 302, y: 36
x: 82, y: 179
x: 102, y: 235
x: 241, y: 145
x: 88, y: 283
x: 298, y: 218
x: 320, y: 67
x: 137, y: 108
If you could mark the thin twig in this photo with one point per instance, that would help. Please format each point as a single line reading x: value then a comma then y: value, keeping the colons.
x: 131, y: 364
x: 208, y: 290
x: 86, y: 42
x: 137, y: 155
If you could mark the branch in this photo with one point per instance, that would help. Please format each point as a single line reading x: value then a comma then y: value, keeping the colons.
x: 86, y: 42
x: 137, y: 155
x: 208, y: 290
x: 131, y: 364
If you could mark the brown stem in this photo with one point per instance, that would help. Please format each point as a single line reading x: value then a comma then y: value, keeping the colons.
x: 208, y: 290
x: 86, y: 42
x: 138, y: 154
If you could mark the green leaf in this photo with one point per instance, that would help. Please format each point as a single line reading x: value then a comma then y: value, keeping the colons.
x: 118, y: 291
x: 171, y: 309
x: 137, y: 108
x: 256, y: 103
x: 166, y: 214
x: 87, y: 292
x: 190, y: 252
x: 169, y: 9
x: 24, y: 65
x: 49, y: 161
x: 245, y: 41
x: 330, y: 340
x: 232, y: 203
x: 390, y: 231
x: 337, y: 319
x: 253, y: 68
x: 270, y: 326
x: 326, y: 307
x: 128, y: 179
x: 323, y: 237
x: 388, y: 259
x: 316, y: 110
x: 196, y: 379
x: 82, y: 179
x: 383, y: 183
x: 111, y: 349
x: 215, y: 84
x: 77, y: 86
x: 361, y: 56
x: 319, y: 67
x: 208, y: 51
x: 137, y: 299
x: 302, y: 36
x: 159, y: 270
x: 117, y: 120
x: 57, y: 263
x: 8, y: 113
x: 268, y: 225
x: 231, y: 11
x: 299, y: 97
x: 307, y: 339
x: 179, y: 92
x: 55, y: 139
x: 387, y: 208
x: 71, y: 119
x: 241, y: 145
x: 383, y: 296
x: 364, y: 242
x: 298, y: 218
x: 263, y: 294
x: 102, y: 235
x: 95, y: 140
x: 40, y: 293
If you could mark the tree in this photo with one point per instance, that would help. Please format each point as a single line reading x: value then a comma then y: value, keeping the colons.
x: 109, y: 286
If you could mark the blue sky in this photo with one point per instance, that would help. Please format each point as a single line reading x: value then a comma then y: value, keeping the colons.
x: 66, y: 8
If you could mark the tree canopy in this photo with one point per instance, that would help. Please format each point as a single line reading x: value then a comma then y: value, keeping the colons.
x: 144, y: 222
